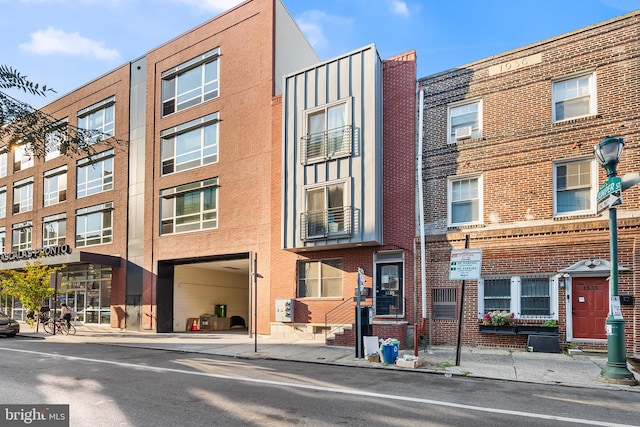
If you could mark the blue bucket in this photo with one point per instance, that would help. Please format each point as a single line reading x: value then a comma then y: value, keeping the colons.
x: 390, y: 353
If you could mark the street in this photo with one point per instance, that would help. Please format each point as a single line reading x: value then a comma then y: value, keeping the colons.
x: 107, y: 385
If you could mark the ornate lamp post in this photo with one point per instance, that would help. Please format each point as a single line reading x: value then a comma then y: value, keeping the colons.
x: 608, y: 152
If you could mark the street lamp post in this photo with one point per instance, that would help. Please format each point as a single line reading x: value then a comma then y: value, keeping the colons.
x: 608, y: 152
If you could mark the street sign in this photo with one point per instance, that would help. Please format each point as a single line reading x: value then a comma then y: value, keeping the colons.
x: 465, y: 264
x: 611, y: 201
x: 611, y: 186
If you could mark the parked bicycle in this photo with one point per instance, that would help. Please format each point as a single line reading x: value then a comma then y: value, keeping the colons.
x: 56, y: 326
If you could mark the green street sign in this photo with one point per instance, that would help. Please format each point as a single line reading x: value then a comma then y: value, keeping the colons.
x: 612, y: 186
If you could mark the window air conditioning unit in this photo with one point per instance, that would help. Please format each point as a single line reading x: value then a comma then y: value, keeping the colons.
x: 463, y: 132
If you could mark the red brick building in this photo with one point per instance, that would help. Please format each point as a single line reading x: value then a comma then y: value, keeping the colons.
x: 508, y: 161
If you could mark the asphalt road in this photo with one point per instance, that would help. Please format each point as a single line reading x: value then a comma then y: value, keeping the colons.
x: 110, y: 385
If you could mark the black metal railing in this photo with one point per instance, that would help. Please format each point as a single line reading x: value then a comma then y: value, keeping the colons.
x: 325, y: 145
x: 325, y: 224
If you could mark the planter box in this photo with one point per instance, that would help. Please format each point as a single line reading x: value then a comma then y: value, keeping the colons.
x: 537, y: 330
x: 501, y: 330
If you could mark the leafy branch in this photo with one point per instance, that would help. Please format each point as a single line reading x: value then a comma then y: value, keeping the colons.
x: 23, y: 125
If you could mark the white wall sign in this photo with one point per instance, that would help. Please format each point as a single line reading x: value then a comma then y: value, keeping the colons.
x: 465, y: 264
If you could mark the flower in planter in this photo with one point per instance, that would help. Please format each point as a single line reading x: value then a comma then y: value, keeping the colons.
x: 498, y: 318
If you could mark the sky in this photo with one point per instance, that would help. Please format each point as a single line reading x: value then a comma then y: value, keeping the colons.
x: 64, y: 44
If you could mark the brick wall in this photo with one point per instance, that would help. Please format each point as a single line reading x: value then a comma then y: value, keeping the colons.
x: 515, y: 157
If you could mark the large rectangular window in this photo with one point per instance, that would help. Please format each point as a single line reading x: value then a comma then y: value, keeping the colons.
x: 3, y: 201
x: 574, y: 97
x: 94, y: 225
x: 21, y: 235
x: 327, y: 212
x: 528, y: 297
x: 328, y: 133
x: 94, y: 175
x: 3, y: 239
x: 465, y: 201
x: 56, y: 140
x: 3, y: 165
x: 464, y: 120
x: 54, y: 230
x: 55, y: 186
x: 23, y: 195
x: 190, y: 145
x: 191, y: 83
x: 98, y: 120
x: 318, y: 279
x: 575, y: 187
x: 189, y: 207
x: 22, y: 158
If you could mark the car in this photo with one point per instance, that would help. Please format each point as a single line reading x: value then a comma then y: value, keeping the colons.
x: 8, y: 326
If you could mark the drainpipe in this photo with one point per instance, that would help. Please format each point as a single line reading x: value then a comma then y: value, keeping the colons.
x: 421, y: 206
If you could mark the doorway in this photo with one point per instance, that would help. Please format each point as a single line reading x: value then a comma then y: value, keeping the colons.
x: 589, y: 307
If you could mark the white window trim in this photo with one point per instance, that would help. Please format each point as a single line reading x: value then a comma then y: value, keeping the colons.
x: 348, y: 106
x: 593, y: 192
x: 593, y: 95
x: 515, y: 303
x: 179, y: 190
x: 475, y: 133
x: 450, y: 181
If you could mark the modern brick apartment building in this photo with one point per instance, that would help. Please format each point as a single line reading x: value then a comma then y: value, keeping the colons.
x: 508, y: 161
x: 163, y: 227
x: 195, y: 212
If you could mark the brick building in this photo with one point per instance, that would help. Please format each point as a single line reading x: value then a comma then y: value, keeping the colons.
x: 163, y: 227
x: 508, y: 161
x: 193, y: 214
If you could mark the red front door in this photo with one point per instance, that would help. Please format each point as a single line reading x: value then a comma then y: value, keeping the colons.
x: 589, y: 307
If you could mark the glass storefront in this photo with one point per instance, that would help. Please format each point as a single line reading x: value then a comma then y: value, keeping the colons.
x: 86, y: 289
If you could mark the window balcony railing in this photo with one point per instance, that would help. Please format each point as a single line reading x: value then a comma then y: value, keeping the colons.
x: 325, y: 224
x: 318, y: 147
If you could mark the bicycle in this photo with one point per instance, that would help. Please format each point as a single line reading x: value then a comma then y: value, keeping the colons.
x: 52, y: 326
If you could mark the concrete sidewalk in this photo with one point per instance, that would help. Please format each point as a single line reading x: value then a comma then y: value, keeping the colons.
x: 576, y: 369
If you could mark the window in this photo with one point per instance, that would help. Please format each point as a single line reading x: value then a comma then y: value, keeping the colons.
x: 98, y: 120
x: 326, y: 212
x: 21, y: 236
x: 318, y: 279
x: 56, y: 139
x: 3, y: 239
x: 575, y: 187
x: 191, y: 83
x: 465, y: 201
x: 94, y: 225
x: 23, y: 195
x: 444, y: 303
x: 95, y: 175
x: 55, y: 186
x: 190, y: 145
x: 328, y: 133
x: 22, y: 158
x: 464, y: 120
x: 535, y: 297
x: 54, y: 230
x: 574, y: 97
x: 3, y: 201
x: 528, y: 297
x: 3, y: 165
x: 189, y: 207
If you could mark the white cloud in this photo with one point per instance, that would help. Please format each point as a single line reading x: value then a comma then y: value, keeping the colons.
x: 399, y: 7
x: 52, y: 41
x: 315, y: 23
x: 214, y: 6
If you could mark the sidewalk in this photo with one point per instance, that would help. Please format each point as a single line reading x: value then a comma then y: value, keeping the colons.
x: 576, y: 369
